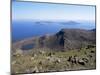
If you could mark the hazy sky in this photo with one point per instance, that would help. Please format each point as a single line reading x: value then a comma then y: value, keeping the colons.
x: 45, y: 11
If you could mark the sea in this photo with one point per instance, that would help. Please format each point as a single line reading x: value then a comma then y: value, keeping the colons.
x: 26, y: 29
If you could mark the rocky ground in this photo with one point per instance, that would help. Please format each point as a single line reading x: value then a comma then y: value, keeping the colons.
x: 50, y: 61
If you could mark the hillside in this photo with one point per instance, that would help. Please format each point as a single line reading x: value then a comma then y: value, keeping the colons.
x: 65, y: 39
x: 69, y: 49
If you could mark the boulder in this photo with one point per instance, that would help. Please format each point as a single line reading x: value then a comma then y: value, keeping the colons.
x: 85, y: 59
x: 76, y: 59
x: 69, y: 58
x: 57, y: 60
x: 32, y: 58
x: 73, y: 60
x: 81, y: 62
x: 92, y: 51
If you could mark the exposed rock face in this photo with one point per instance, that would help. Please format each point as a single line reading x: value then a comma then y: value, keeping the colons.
x: 75, y: 38
x: 66, y: 39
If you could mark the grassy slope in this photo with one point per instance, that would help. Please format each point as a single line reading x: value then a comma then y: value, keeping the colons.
x: 46, y: 61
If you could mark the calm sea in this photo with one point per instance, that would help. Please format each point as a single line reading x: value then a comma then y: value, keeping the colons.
x: 23, y: 30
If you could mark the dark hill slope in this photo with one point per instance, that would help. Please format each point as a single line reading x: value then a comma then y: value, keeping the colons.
x: 75, y: 38
x: 68, y: 39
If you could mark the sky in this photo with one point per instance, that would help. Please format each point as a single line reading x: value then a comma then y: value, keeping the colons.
x: 48, y: 11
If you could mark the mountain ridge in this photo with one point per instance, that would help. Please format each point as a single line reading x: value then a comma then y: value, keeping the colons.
x: 65, y: 39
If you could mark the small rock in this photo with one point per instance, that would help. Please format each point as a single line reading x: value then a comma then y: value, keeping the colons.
x: 48, y: 58
x: 32, y: 58
x: 50, y: 54
x: 34, y: 55
x: 85, y: 59
x: 90, y: 56
x: 76, y: 60
x: 69, y: 58
x: 73, y: 60
x: 92, y: 51
x: 81, y: 62
x: 40, y: 63
x: 58, y: 60
x: 13, y: 62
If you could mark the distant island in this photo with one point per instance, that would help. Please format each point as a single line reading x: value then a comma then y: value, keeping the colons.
x: 70, y: 23
x: 62, y: 22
